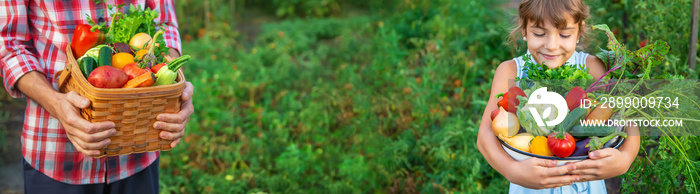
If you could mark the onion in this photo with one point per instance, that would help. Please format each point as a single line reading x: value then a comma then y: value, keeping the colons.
x: 140, y: 41
x: 505, y: 124
x: 520, y: 141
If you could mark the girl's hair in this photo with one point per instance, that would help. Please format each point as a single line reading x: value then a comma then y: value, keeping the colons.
x: 555, y: 11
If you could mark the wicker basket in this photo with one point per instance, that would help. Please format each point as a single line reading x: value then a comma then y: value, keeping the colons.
x: 133, y: 110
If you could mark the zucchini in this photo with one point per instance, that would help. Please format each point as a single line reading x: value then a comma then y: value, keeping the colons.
x: 87, y: 65
x: 571, y: 119
x: 165, y: 76
x: 105, y: 57
x: 177, y: 63
x: 579, y: 131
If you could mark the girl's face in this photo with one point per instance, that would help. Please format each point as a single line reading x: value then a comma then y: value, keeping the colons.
x: 551, y: 45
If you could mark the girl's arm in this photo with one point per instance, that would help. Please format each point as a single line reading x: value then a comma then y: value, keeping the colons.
x: 532, y: 173
x: 595, y: 67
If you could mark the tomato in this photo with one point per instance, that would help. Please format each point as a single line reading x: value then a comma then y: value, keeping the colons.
x: 561, y: 145
x: 539, y: 146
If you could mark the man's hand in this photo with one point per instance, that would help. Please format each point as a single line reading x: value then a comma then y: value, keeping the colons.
x: 173, y: 125
x: 88, y: 138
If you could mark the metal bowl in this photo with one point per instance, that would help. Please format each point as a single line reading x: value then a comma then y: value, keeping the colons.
x: 520, y: 155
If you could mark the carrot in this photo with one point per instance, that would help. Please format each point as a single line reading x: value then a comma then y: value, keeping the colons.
x: 143, y: 80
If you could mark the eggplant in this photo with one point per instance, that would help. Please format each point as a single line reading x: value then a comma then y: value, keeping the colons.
x: 581, y: 149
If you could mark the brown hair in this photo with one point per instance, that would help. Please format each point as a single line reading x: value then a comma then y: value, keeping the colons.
x: 555, y: 10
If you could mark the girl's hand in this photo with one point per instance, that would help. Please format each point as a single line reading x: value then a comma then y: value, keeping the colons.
x: 536, y: 173
x: 173, y: 125
x: 603, y: 164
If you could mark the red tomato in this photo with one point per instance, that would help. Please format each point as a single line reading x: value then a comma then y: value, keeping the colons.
x: 563, y: 147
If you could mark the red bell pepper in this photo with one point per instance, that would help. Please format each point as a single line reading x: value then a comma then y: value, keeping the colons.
x: 574, y: 97
x: 509, y: 101
x: 84, y: 39
x: 561, y: 144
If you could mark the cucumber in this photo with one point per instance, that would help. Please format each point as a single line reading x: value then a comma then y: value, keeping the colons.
x: 87, y: 65
x: 579, y: 131
x: 105, y: 57
x: 571, y: 119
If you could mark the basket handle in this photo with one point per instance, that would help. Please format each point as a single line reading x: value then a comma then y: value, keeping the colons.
x: 63, y: 76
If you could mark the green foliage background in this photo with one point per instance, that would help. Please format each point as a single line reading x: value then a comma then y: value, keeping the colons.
x: 349, y: 96
x: 366, y: 96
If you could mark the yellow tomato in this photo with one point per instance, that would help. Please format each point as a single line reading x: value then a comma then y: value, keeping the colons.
x: 538, y: 146
x: 120, y: 60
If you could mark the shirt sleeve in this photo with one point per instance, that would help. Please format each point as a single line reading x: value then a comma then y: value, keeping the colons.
x: 167, y: 16
x: 16, y: 56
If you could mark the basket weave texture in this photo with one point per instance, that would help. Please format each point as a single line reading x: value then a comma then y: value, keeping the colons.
x: 133, y: 110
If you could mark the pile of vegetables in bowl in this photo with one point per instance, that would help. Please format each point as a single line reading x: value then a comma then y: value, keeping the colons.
x: 628, y: 76
x: 131, y: 53
x: 522, y: 138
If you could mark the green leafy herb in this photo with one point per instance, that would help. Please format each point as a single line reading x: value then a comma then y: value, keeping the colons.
x: 136, y: 20
x: 126, y: 25
x: 540, y: 71
x: 632, y: 65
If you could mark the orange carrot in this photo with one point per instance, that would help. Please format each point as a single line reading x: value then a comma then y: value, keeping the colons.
x: 143, y: 80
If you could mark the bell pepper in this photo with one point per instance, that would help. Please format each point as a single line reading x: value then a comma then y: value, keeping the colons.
x: 562, y: 144
x: 84, y: 38
x: 574, y: 97
x: 539, y: 146
x: 509, y: 101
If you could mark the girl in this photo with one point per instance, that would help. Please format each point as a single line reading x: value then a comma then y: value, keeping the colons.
x: 552, y: 29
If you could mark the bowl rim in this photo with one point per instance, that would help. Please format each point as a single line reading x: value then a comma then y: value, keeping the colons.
x: 616, y: 145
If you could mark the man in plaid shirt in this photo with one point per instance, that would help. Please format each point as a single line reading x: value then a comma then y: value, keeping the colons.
x: 57, y: 143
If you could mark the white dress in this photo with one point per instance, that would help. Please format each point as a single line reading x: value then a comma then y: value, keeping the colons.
x: 583, y: 187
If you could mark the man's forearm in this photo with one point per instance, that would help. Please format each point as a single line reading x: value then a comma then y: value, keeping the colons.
x: 35, y: 86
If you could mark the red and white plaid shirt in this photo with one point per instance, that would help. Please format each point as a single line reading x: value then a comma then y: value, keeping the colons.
x: 33, y: 37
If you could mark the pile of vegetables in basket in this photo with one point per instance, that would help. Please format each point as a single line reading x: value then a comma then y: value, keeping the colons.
x: 128, y: 53
x: 568, y: 138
